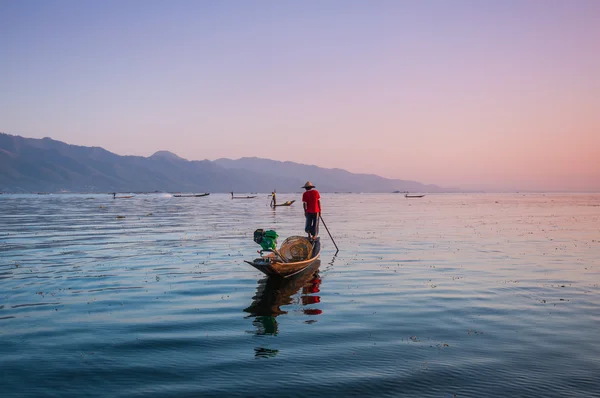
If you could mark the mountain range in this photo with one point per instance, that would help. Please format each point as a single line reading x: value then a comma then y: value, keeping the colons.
x: 47, y: 165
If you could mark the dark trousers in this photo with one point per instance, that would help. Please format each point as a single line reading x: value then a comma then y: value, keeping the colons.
x: 312, y: 224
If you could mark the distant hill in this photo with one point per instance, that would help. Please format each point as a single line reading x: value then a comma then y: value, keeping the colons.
x: 47, y: 165
x: 329, y: 180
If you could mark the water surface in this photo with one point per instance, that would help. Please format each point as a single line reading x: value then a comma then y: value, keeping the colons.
x: 448, y: 295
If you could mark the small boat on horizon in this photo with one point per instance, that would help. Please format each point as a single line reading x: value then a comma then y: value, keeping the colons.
x: 114, y: 194
x: 413, y: 196
x: 242, y: 197
x: 194, y: 195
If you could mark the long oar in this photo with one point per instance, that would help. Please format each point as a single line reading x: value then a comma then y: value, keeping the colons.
x: 325, y: 225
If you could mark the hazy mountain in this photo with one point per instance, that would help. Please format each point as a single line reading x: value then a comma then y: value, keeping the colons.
x: 329, y: 180
x: 34, y: 165
x: 166, y: 155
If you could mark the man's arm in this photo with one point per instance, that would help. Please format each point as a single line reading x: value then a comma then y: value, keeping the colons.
x: 320, y: 208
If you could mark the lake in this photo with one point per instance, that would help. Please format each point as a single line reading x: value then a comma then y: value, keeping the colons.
x: 450, y: 295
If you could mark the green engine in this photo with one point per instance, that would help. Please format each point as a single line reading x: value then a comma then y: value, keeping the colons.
x: 266, y: 239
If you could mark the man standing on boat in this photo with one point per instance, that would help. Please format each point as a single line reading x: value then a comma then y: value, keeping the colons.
x: 274, y: 198
x: 311, y: 201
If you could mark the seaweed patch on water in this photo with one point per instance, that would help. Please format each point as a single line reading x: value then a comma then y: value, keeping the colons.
x: 262, y: 352
x: 33, y: 305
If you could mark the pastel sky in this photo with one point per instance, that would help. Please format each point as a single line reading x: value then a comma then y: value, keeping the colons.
x: 495, y: 95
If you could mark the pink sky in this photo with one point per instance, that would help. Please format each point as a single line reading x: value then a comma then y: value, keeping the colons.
x: 495, y: 96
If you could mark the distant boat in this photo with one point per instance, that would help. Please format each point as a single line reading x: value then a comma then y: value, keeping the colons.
x: 198, y: 195
x: 114, y: 194
x: 241, y: 197
x: 413, y: 196
x: 288, y: 203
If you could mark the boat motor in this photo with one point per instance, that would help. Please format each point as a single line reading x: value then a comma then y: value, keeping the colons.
x: 266, y: 239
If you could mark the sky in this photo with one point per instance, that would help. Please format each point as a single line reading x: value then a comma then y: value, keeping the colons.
x: 490, y: 95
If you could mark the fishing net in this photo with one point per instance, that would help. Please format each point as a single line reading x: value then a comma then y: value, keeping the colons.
x: 296, y: 248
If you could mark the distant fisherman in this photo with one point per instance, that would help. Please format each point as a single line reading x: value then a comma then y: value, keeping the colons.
x: 274, y: 198
x: 311, y: 201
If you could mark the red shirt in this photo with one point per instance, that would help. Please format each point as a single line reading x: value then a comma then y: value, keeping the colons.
x: 311, y: 197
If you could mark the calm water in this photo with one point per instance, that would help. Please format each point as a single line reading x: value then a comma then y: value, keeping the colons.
x: 448, y: 295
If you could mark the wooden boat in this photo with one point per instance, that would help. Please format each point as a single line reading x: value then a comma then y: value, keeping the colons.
x: 413, y: 196
x: 123, y: 197
x: 197, y: 195
x: 288, y: 203
x: 272, y: 265
x: 242, y: 197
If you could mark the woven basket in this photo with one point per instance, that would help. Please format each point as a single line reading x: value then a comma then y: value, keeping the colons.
x: 296, y: 248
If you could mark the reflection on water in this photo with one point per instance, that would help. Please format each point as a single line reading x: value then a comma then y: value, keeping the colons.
x: 273, y: 293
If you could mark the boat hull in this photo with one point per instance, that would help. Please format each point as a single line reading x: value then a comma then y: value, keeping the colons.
x: 289, y: 203
x: 285, y: 270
